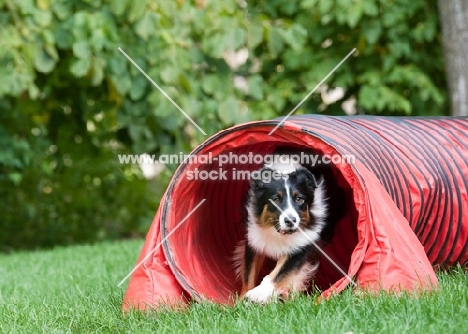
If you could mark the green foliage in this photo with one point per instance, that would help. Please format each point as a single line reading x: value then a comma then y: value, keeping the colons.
x: 397, y: 69
x: 68, y: 192
x: 70, y: 101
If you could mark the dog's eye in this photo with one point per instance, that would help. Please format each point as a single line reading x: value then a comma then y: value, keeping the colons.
x: 277, y: 200
x: 299, y: 200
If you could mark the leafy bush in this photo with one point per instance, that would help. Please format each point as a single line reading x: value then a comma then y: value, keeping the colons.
x: 70, y: 101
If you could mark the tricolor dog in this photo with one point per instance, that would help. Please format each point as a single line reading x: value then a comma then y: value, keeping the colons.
x: 288, y: 217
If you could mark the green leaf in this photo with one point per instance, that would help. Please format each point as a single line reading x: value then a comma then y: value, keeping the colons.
x: 43, y: 62
x: 213, y: 45
x: 326, y: 6
x: 61, y: 9
x: 138, y: 89
x: 254, y: 35
x: 171, y: 123
x: 15, y: 178
x: 400, y: 49
x: 145, y: 26
x: 43, y: 18
x: 244, y: 114
x: 367, y: 97
x: 309, y: 4
x: 80, y: 67
x: 224, y: 89
x: 255, y: 89
x: 296, y: 37
x: 52, y: 51
x: 373, y: 31
x: 64, y: 38
x: 27, y: 6
x: 97, y: 72
x: 235, y: 38
x: 79, y: 27
x: 169, y: 74
x: 33, y: 92
x: 354, y: 14
x: 278, y: 102
x: 275, y: 40
x: 48, y: 36
x: 10, y: 37
x: 43, y: 4
x: 136, y: 131
x: 370, y: 7
x: 137, y: 9
x: 393, y: 100
x: 19, y: 83
x: 373, y: 78
x: 81, y: 49
x: 210, y: 83
x: 162, y: 106
x: 122, y: 83
x: 389, y: 19
x: 228, y: 111
x: 118, y: 64
x: 80, y: 19
x: 118, y: 7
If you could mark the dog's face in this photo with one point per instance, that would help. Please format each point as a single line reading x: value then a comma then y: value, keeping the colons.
x: 283, y: 203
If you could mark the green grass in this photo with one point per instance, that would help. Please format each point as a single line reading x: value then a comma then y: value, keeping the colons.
x: 75, y: 290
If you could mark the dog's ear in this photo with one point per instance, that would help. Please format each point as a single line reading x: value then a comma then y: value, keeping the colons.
x: 256, y: 183
x: 259, y: 177
x: 311, y: 181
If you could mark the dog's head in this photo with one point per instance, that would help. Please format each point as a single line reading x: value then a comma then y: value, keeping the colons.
x: 282, y: 200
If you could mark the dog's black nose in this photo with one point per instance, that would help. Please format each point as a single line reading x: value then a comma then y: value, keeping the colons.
x: 289, y: 221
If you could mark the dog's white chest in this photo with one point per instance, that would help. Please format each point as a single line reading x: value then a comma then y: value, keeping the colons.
x: 269, y: 242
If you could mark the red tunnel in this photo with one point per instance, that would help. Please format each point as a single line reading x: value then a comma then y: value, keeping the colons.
x: 406, y: 181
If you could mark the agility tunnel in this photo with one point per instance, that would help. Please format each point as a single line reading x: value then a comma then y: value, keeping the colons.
x: 406, y: 207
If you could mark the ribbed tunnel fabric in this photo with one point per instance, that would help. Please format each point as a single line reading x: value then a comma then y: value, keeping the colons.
x: 407, y: 207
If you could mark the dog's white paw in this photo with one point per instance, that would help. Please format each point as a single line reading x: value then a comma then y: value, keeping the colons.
x: 262, y: 293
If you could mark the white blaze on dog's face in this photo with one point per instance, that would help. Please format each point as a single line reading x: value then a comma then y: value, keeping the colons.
x: 289, y: 219
x: 284, y: 202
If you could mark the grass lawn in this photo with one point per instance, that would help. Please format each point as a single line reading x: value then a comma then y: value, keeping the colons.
x: 75, y: 290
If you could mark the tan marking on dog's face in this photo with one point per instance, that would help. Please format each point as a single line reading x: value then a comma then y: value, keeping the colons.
x: 267, y: 218
x: 279, y: 194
